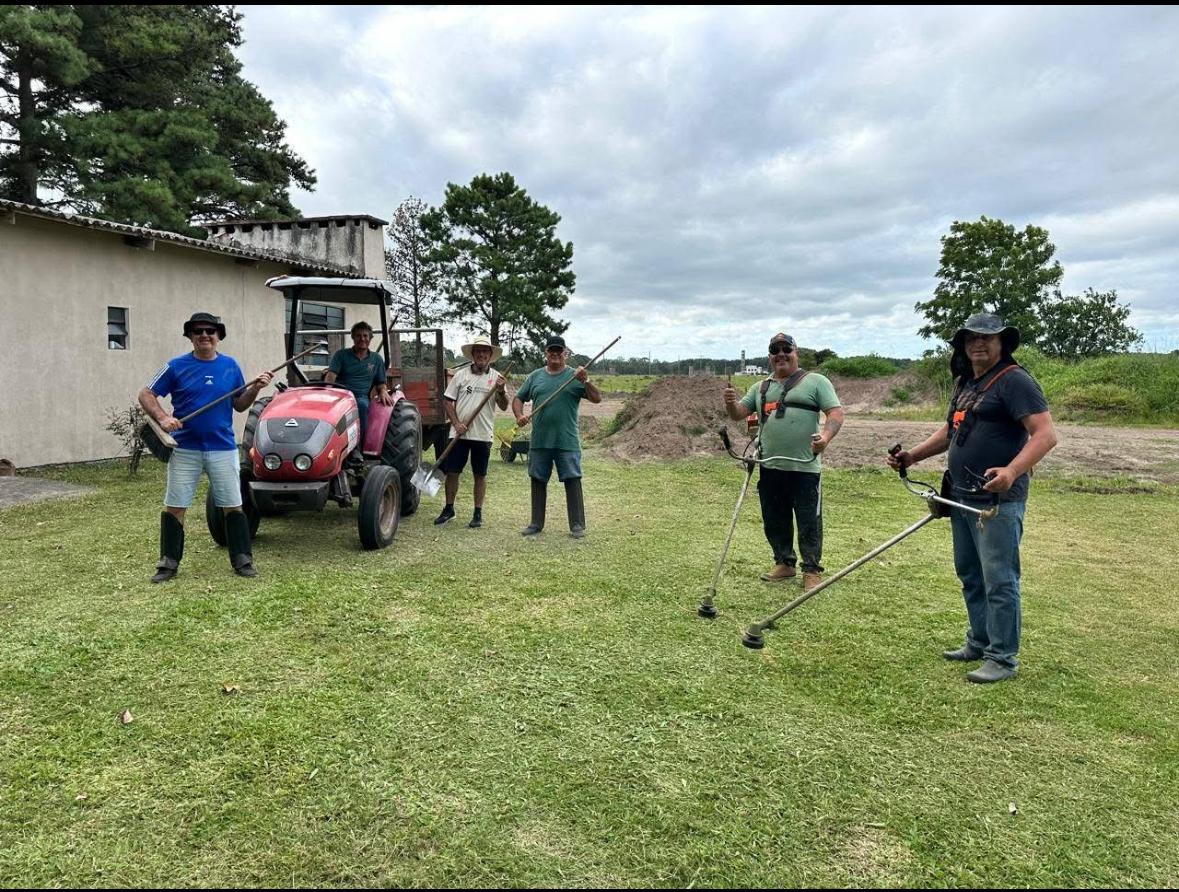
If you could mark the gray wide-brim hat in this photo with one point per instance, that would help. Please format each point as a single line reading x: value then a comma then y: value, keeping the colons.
x: 987, y: 324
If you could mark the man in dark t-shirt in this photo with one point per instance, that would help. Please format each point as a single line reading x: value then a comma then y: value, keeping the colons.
x: 997, y: 428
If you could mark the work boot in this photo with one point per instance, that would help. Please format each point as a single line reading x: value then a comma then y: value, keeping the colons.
x: 810, y: 580
x: 575, y: 507
x: 241, y: 552
x: 446, y: 516
x: 990, y: 672
x: 780, y: 573
x: 540, y: 491
x: 964, y: 654
x: 171, y: 547
x: 476, y: 519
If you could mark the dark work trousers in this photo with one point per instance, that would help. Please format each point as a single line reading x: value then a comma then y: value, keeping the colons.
x: 785, y: 497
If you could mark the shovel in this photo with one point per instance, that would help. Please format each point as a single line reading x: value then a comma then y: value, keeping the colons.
x: 428, y: 478
x: 160, y: 443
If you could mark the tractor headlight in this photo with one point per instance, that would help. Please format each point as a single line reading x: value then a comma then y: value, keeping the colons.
x: 273, y: 462
x: 302, y: 462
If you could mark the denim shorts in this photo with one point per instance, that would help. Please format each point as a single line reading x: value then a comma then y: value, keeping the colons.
x: 541, y: 461
x: 184, y: 472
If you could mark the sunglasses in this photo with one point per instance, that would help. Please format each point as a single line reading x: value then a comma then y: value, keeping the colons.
x: 779, y: 347
x: 204, y: 331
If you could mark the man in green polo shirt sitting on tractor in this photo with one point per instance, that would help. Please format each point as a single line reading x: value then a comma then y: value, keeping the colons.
x: 360, y: 370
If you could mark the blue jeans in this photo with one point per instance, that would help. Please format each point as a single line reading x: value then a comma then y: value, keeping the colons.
x: 987, y: 563
x: 541, y: 461
x: 362, y: 408
x: 184, y: 472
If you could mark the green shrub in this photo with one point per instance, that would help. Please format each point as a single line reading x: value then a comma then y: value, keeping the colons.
x: 899, y: 396
x: 1151, y: 379
x: 871, y: 366
x: 1111, y: 399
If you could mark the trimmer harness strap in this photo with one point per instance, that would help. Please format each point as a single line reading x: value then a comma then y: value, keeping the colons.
x: 779, y: 406
x: 967, y: 399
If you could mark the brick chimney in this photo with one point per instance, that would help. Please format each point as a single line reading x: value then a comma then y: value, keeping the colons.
x: 355, y: 242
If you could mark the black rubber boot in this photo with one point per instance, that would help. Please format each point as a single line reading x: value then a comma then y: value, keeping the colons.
x: 237, y: 535
x: 575, y: 506
x: 540, y: 491
x: 171, y: 547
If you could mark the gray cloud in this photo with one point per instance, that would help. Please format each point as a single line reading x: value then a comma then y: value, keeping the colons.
x: 723, y: 173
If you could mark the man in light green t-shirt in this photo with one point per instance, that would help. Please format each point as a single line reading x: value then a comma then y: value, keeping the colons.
x: 788, y: 405
x: 556, y: 437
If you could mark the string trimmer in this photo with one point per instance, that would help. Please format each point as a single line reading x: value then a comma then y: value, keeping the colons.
x: 938, y: 504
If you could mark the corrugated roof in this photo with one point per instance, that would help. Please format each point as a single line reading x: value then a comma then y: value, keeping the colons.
x: 214, y: 247
x: 367, y: 218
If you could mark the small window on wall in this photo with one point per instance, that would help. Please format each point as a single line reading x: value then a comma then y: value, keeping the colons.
x: 116, y: 328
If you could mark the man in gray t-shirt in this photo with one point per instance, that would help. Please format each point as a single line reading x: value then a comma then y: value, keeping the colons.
x: 997, y: 427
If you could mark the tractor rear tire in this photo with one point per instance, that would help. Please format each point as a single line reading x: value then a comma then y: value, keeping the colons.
x: 215, y: 516
x: 402, y: 451
x: 379, y: 512
x: 252, y: 421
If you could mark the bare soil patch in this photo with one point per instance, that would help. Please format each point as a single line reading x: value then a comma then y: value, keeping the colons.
x: 679, y: 417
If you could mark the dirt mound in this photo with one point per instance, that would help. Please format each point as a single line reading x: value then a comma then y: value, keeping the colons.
x: 678, y: 416
x: 863, y: 395
x: 673, y: 418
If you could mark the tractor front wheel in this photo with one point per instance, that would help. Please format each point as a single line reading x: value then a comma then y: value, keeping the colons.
x: 380, y: 507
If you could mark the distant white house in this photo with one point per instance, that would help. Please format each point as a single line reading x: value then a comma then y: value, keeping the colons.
x: 753, y: 370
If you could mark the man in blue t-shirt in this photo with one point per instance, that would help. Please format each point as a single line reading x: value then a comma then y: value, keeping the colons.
x: 360, y: 370
x: 204, y: 443
x: 997, y: 428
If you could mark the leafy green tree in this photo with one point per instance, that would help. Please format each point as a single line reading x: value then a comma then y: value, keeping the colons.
x: 989, y: 266
x: 145, y: 119
x: 1091, y: 324
x: 407, y: 266
x: 498, y: 259
x: 41, y: 64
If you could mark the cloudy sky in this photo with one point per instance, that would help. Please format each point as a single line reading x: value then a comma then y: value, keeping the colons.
x: 726, y: 173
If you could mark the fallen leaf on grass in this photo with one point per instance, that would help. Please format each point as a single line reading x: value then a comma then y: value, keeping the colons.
x: 81, y: 797
x: 125, y: 717
x: 1011, y: 808
x: 230, y: 689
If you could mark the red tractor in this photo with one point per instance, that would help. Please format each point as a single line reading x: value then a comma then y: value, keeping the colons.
x: 304, y: 445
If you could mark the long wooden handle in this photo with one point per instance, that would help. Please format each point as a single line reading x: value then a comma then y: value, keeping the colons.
x: 554, y: 394
x: 244, y: 387
x: 475, y: 414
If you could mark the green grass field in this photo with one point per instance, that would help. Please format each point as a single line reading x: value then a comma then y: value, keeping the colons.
x: 472, y: 708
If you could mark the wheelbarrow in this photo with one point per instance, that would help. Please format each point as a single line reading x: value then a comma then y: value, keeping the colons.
x: 509, y: 449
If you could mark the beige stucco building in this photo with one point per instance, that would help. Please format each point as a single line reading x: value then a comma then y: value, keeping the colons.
x: 89, y: 310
